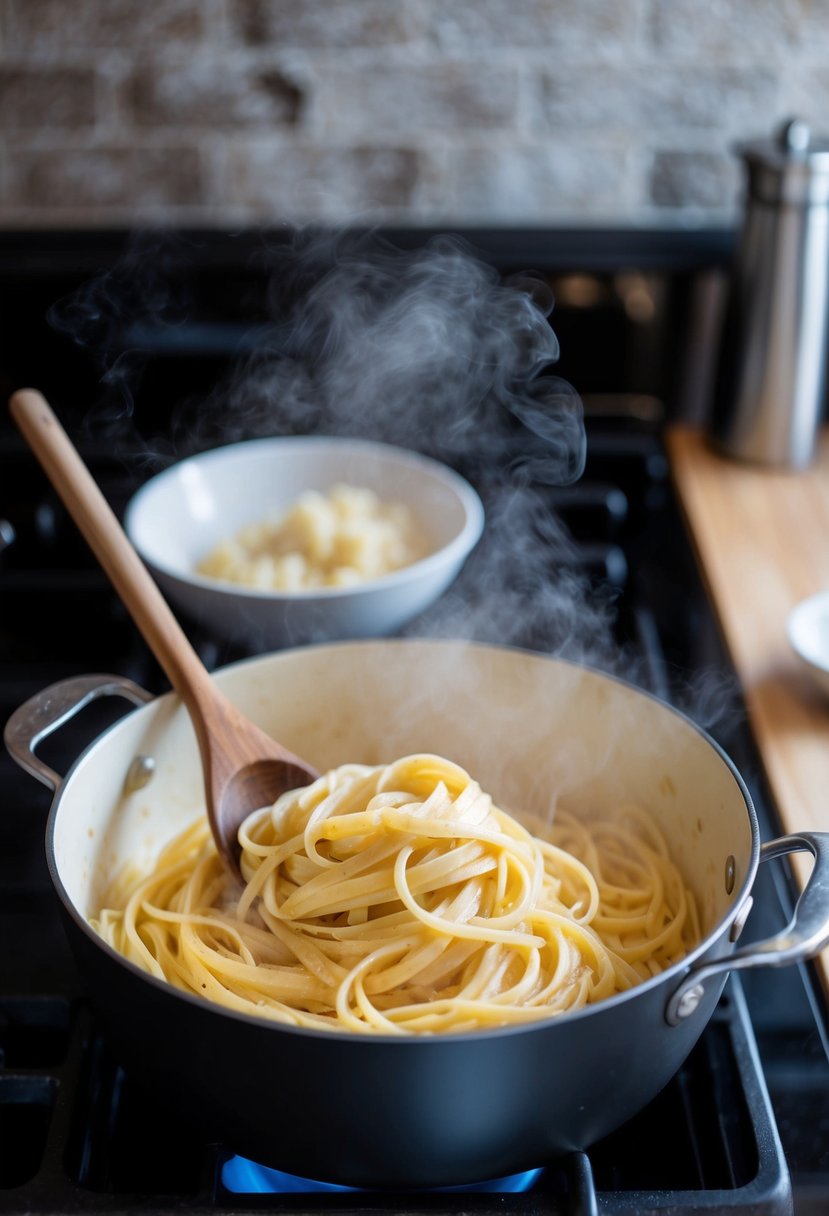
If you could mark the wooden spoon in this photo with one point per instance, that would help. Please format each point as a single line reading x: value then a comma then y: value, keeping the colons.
x: 243, y: 767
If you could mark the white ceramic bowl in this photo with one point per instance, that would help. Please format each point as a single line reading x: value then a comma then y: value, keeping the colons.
x: 808, y: 630
x: 177, y: 517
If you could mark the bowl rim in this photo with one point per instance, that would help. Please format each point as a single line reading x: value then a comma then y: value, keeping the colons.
x: 808, y: 609
x: 454, y: 550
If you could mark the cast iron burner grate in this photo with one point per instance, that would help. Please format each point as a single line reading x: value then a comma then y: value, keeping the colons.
x: 78, y: 1135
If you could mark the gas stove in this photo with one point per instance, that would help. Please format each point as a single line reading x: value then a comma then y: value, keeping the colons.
x: 744, y: 1124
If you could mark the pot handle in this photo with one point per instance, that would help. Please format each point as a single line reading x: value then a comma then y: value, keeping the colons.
x: 804, y: 937
x: 43, y: 713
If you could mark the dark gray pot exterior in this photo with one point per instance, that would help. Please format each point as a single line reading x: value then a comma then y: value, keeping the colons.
x: 383, y: 1112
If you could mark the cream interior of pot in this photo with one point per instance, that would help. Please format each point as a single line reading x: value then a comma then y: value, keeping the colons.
x: 537, y: 733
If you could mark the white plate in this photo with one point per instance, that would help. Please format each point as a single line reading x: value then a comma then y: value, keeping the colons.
x: 808, y: 630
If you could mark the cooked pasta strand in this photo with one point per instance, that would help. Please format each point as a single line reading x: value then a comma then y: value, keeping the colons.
x: 397, y: 899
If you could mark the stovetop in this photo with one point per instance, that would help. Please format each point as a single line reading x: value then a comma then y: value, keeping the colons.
x: 743, y: 1126
x: 79, y: 1136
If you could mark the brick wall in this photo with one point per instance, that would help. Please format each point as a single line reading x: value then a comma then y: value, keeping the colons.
x: 223, y: 112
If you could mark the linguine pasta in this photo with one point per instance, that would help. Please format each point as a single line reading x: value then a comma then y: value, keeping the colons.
x: 399, y: 899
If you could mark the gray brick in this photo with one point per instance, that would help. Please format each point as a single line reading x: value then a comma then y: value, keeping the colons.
x: 595, y: 26
x: 538, y: 111
x: 813, y: 28
x: 58, y: 25
x: 693, y: 180
x: 659, y: 99
x: 98, y: 178
x: 321, y: 23
x: 319, y: 183
x: 538, y: 183
x: 168, y: 176
x: 415, y: 99
x: 210, y: 92
x: 805, y: 94
x: 732, y: 29
x: 46, y: 97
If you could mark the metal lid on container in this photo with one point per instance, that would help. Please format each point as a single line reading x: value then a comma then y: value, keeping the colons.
x: 791, y: 167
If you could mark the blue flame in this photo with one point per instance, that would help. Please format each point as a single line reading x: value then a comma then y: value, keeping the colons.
x: 244, y: 1177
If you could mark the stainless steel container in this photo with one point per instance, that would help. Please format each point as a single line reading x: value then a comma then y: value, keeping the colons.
x: 771, y: 375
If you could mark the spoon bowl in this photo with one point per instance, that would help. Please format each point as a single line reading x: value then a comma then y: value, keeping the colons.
x: 244, y: 768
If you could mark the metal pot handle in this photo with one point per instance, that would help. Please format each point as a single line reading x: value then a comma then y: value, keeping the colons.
x: 43, y: 713
x: 804, y: 937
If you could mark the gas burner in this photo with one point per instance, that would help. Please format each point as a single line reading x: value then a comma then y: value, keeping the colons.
x: 87, y: 1136
x: 243, y: 1177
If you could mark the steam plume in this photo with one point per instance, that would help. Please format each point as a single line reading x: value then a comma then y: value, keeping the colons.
x: 429, y: 349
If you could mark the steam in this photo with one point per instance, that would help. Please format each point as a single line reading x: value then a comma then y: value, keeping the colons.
x: 524, y: 586
x: 142, y: 290
x: 427, y: 349
x: 430, y: 349
x: 434, y: 351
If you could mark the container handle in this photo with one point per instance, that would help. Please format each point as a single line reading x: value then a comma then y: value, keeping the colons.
x: 805, y: 935
x: 47, y: 710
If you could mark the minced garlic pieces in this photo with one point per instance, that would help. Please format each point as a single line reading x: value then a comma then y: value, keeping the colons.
x: 339, y: 539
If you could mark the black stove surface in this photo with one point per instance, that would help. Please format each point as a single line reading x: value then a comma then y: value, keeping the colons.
x: 79, y: 1136
x: 743, y: 1126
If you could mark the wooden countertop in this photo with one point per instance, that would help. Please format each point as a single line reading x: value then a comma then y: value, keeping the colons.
x: 762, y: 543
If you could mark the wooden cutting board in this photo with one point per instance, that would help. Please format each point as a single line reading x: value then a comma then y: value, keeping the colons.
x: 762, y: 544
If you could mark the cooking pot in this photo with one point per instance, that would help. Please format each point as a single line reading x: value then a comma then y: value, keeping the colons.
x: 398, y: 1111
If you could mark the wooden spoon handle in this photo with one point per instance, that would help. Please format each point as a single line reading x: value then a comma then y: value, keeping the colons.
x: 108, y: 541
